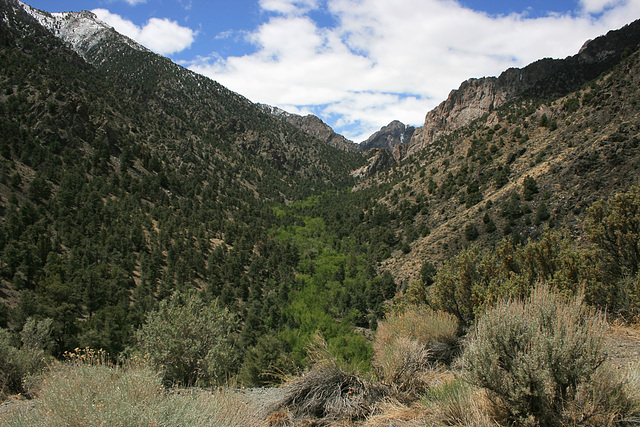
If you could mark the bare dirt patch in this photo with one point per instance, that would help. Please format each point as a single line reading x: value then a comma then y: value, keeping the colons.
x: 623, y: 345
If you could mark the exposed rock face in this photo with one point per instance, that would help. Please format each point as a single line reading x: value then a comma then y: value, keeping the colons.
x: 315, y: 127
x: 390, y: 137
x: 546, y: 78
x: 380, y: 160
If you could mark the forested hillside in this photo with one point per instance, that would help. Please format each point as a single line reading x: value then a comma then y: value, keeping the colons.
x: 124, y: 184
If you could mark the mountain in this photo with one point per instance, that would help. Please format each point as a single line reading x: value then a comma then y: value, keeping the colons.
x: 509, y: 157
x: 391, y: 137
x: 315, y: 127
x: 125, y: 178
x: 194, y: 103
x: 546, y: 78
x: 379, y: 159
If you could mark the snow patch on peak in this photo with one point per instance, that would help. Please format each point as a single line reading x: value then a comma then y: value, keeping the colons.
x: 81, y: 31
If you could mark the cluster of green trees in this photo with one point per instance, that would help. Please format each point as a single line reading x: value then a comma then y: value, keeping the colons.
x: 604, y: 269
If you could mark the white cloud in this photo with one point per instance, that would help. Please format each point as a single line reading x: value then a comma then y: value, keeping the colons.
x: 597, y: 6
x: 388, y: 60
x: 162, y: 36
x: 135, y: 2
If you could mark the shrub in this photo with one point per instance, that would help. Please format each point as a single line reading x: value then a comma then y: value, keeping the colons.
x: 427, y: 273
x: 614, y: 226
x: 611, y: 397
x: 467, y: 282
x: 267, y: 362
x: 18, y: 364
x: 534, y: 355
x: 190, y: 341
x: 529, y: 188
x: 471, y: 232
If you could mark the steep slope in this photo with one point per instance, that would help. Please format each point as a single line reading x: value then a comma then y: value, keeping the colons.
x: 546, y: 78
x: 125, y: 178
x: 194, y: 103
x: 529, y: 165
x: 315, y: 127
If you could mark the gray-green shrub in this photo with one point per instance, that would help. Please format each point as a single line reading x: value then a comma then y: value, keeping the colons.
x: 191, y: 342
x: 534, y: 355
x: 87, y: 390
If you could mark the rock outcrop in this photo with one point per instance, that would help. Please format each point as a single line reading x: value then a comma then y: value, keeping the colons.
x: 380, y: 160
x: 543, y: 79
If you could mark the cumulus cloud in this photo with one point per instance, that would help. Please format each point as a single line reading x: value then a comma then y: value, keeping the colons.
x: 382, y: 60
x: 162, y: 36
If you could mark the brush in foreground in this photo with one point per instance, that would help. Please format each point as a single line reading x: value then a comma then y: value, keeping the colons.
x: 327, y: 392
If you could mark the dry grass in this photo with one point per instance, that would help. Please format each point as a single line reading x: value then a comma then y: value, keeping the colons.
x: 392, y: 412
x: 419, y: 323
x: 612, y: 397
x: 326, y: 392
x: 329, y: 393
x: 408, y: 346
x: 88, y: 391
x: 457, y: 403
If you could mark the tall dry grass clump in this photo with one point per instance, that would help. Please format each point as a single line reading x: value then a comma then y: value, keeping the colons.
x: 541, y: 362
x: 407, y: 345
x: 327, y: 392
x: 455, y: 402
x: 87, y: 390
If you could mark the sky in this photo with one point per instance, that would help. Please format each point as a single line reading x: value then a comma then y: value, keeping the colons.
x: 356, y: 64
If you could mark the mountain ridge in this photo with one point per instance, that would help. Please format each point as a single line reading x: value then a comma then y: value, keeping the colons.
x: 315, y: 127
x: 545, y: 78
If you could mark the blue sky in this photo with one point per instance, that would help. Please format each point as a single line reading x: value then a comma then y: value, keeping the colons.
x: 357, y: 64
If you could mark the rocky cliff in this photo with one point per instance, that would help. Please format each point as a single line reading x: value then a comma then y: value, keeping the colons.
x: 391, y: 137
x: 543, y: 79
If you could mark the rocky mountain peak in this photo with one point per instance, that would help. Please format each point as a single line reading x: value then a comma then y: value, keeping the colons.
x: 546, y: 78
x: 81, y: 31
x: 390, y: 137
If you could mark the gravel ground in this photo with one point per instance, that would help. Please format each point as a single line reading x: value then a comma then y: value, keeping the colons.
x: 262, y: 399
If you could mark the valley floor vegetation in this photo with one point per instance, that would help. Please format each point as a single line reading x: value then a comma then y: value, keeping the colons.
x: 514, y: 336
